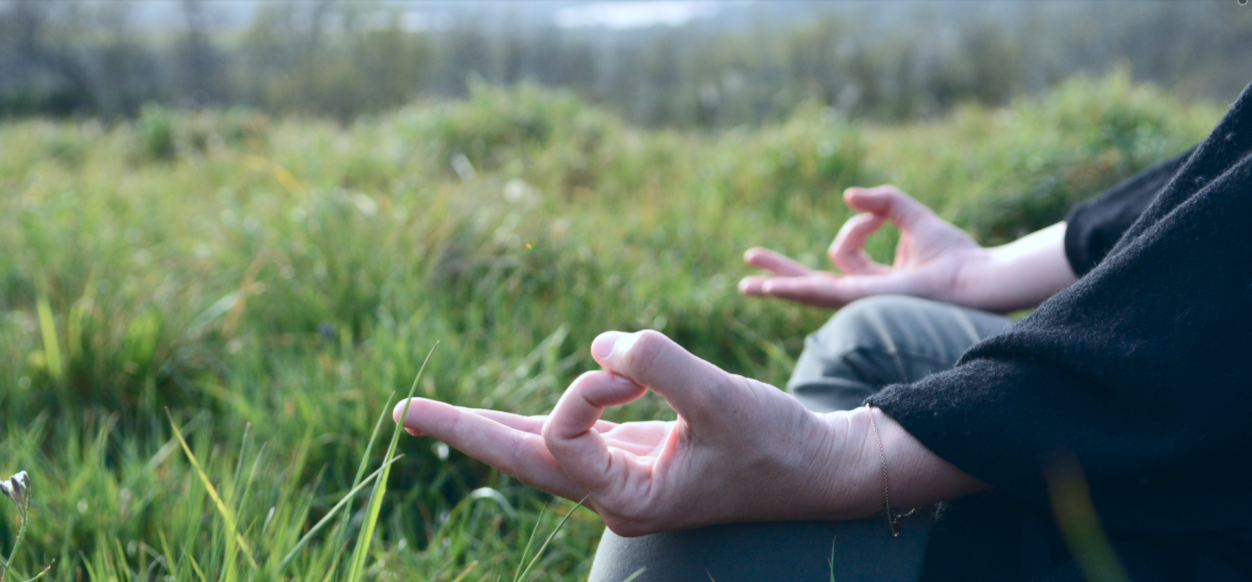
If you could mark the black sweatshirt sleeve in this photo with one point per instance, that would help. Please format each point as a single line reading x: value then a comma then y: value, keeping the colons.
x: 1094, y: 226
x: 1141, y: 371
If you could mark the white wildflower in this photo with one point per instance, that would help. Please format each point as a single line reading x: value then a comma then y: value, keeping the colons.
x: 15, y: 487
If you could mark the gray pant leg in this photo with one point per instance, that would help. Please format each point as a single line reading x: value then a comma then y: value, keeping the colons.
x: 799, y: 551
x: 884, y: 340
x: 864, y: 347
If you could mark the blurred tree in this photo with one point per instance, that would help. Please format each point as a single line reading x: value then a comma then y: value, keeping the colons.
x: 465, y: 54
x: 893, y: 61
x: 123, y: 71
x: 198, y: 67
x: 35, y: 74
x: 313, y: 58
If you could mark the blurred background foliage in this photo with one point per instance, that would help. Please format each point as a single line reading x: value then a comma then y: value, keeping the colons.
x: 271, y: 261
x: 730, y: 63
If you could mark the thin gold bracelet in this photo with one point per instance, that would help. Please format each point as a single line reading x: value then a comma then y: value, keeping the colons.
x: 893, y: 518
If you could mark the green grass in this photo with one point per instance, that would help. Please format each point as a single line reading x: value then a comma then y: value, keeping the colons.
x: 272, y: 282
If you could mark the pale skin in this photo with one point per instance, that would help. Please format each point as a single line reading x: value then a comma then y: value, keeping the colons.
x: 742, y: 450
x: 934, y: 260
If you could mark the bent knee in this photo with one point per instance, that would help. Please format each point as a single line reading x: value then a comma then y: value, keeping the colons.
x: 888, y: 339
x: 867, y: 323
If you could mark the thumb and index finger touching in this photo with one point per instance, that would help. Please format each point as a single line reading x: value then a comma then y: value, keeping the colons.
x: 889, y: 203
x: 634, y: 363
x: 792, y: 280
x: 878, y: 205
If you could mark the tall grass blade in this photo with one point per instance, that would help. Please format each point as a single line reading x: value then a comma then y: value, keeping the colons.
x: 169, y: 556
x: 1078, y: 522
x: 638, y: 573
x: 340, y: 548
x: 466, y: 571
x: 121, y: 562
x: 247, y: 488
x: 334, y: 564
x: 380, y: 487
x: 227, y: 515
x: 243, y: 450
x: 21, y: 535
x: 342, y: 531
x: 304, y: 541
x: 539, y: 553
x: 832, y: 559
x: 341, y: 536
x: 48, y: 329
x: 194, y: 566
x: 40, y: 575
x: 517, y: 574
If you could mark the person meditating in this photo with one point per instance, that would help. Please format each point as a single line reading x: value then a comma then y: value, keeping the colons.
x: 1134, y: 372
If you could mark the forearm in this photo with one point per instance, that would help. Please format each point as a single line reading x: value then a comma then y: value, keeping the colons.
x: 1018, y: 275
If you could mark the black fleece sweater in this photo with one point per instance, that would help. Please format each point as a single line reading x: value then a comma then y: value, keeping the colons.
x: 1141, y: 373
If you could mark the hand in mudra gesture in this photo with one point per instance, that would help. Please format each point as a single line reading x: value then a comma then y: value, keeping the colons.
x: 740, y: 450
x: 930, y: 259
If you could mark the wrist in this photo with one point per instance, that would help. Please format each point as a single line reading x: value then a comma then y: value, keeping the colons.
x: 903, y: 469
x: 1018, y: 275
x: 971, y: 278
x: 856, y: 490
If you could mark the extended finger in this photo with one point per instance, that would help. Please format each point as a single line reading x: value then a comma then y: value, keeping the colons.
x: 776, y: 263
x: 569, y: 435
x: 888, y: 202
x: 816, y: 291
x: 848, y: 250
x: 520, y: 454
x: 530, y: 424
x: 832, y: 292
x: 692, y: 386
x: 752, y: 285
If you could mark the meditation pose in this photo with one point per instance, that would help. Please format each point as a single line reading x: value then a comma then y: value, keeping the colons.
x: 920, y: 410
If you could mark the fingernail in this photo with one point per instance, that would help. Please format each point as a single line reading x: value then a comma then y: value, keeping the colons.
x: 603, y: 344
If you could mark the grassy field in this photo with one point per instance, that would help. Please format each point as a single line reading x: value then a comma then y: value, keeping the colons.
x: 273, y: 281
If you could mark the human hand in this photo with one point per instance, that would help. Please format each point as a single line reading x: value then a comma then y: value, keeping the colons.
x: 739, y: 451
x: 931, y: 257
